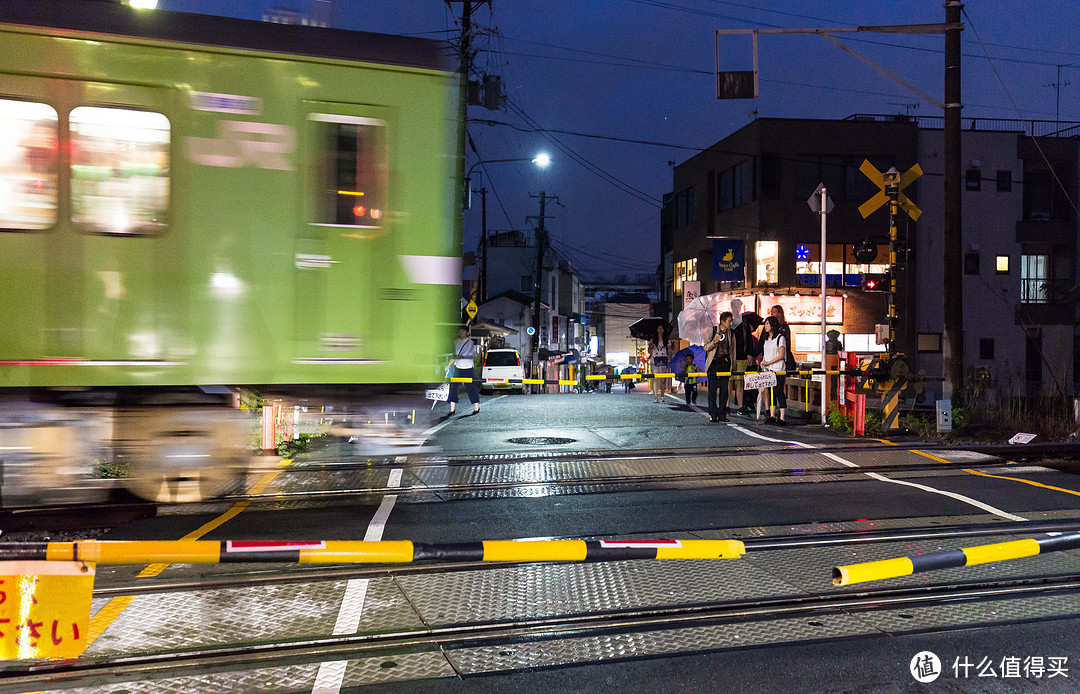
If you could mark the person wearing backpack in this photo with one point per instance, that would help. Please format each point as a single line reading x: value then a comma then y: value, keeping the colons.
x: 719, y: 358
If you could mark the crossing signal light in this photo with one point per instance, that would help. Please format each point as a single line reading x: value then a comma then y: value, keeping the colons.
x: 874, y: 283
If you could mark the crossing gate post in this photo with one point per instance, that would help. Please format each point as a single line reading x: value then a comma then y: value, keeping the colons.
x: 892, y: 403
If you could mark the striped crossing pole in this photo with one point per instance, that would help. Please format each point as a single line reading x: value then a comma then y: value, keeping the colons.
x: 891, y: 417
x: 951, y: 559
x: 366, y: 552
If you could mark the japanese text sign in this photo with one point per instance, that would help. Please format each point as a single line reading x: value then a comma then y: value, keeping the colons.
x: 806, y: 310
x: 44, y: 608
x: 757, y: 381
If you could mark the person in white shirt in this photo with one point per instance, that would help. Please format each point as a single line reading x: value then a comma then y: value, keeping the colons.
x: 773, y: 359
x: 658, y: 359
x: 464, y: 367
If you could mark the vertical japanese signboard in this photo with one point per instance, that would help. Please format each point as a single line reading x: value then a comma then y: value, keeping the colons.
x: 44, y: 608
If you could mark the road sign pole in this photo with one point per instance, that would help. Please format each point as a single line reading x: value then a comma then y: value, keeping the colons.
x: 822, y: 256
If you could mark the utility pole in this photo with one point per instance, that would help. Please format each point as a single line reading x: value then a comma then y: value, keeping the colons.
x: 483, y: 245
x: 538, y: 280
x: 464, y: 70
x: 953, y: 339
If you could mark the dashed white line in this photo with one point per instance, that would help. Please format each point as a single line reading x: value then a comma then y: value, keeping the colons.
x: 331, y: 675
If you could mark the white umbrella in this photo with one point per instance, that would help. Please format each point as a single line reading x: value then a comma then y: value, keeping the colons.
x: 701, y: 314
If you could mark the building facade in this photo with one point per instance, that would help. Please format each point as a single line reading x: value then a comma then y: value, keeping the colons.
x: 1019, y: 232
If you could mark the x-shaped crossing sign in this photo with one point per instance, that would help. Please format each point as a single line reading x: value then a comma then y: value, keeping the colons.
x: 905, y: 203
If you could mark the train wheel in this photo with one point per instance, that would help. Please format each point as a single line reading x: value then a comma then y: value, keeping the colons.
x: 182, y: 454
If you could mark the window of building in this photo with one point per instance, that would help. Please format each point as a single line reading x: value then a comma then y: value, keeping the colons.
x: 352, y: 171
x: 741, y: 182
x: 767, y: 255
x: 971, y: 263
x: 1004, y: 181
x: 119, y: 170
x: 1001, y: 264
x: 768, y: 171
x: 726, y: 191
x: 1034, y: 274
x: 928, y: 342
x: 973, y: 178
x: 28, y: 165
x: 986, y: 348
x: 527, y: 283
x: 1038, y: 196
x: 685, y: 271
x: 690, y: 201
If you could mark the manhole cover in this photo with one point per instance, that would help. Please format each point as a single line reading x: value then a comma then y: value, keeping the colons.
x: 541, y: 440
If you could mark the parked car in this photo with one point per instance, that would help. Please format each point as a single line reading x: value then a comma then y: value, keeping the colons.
x: 502, y: 364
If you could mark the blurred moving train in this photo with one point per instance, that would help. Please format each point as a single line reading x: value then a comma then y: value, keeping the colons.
x: 191, y: 205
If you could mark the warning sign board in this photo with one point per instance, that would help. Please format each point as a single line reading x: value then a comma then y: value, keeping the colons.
x: 471, y: 309
x: 757, y: 381
x: 44, y: 608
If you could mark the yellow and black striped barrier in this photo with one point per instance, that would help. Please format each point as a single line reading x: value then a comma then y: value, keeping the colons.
x: 646, y: 377
x: 365, y: 552
x: 951, y: 559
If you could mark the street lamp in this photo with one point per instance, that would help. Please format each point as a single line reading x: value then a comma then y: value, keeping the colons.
x: 542, y: 160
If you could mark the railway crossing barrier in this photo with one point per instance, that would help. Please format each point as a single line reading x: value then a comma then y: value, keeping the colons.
x: 966, y: 556
x: 45, y: 588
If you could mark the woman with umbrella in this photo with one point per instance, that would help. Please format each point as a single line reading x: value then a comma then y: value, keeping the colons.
x: 658, y: 359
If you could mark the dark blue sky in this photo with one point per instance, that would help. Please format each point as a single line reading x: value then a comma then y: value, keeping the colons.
x: 642, y: 70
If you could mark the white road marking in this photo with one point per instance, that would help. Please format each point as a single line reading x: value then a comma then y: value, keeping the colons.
x: 332, y: 674
x: 756, y: 435
x: 926, y: 488
x: 959, y: 497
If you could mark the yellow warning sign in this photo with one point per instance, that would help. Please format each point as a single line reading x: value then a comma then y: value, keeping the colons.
x: 44, y: 608
x: 471, y: 309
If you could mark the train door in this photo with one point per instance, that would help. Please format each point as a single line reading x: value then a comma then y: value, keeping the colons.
x: 121, y: 152
x: 31, y: 193
x: 343, y: 249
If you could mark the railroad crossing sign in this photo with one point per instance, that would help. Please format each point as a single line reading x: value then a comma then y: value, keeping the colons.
x: 882, y: 197
x: 471, y: 309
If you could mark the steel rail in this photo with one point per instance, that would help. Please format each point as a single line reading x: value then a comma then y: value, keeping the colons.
x: 780, y: 542
x: 1043, y: 451
x: 651, y: 481
x: 612, y: 622
x: 37, y: 516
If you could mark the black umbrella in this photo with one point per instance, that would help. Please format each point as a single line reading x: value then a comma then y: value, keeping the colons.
x: 645, y: 328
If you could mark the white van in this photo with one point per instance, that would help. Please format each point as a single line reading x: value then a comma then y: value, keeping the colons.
x: 502, y: 364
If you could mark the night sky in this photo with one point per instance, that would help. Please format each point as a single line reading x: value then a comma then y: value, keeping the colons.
x: 624, y: 87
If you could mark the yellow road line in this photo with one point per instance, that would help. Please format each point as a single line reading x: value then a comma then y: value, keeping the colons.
x: 108, y: 614
x: 1017, y: 479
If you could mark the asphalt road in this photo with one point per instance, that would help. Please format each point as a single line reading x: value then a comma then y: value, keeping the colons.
x: 735, y: 504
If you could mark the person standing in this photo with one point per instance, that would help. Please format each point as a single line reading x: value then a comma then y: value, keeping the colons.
x: 465, y: 367
x: 658, y: 359
x: 774, y: 358
x: 719, y: 356
x: 689, y: 382
x: 747, y: 357
x: 777, y: 312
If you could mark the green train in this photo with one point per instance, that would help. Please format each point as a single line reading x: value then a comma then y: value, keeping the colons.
x: 190, y: 205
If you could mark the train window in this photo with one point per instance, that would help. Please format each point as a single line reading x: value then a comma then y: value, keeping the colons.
x: 28, y: 165
x: 351, y: 169
x: 119, y: 170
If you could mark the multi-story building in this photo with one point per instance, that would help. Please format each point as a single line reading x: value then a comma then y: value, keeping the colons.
x: 511, y: 267
x: 1019, y: 233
